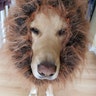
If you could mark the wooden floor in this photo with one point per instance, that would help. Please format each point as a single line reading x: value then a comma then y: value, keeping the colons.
x: 86, y: 86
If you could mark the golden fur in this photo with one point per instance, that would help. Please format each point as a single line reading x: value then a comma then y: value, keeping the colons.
x: 18, y: 46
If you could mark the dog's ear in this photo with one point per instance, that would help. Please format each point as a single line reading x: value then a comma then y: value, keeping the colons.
x: 28, y: 6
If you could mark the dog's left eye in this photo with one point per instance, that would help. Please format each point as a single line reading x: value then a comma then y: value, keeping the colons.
x: 34, y: 30
x: 61, y: 32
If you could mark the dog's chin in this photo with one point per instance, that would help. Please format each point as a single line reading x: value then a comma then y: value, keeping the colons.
x: 37, y: 76
x: 45, y: 78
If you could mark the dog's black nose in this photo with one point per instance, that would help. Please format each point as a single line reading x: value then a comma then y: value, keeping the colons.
x: 46, y: 69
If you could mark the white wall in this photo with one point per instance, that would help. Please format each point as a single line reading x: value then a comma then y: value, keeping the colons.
x: 93, y: 32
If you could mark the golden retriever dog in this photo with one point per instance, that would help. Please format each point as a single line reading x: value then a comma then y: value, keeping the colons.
x: 46, y: 42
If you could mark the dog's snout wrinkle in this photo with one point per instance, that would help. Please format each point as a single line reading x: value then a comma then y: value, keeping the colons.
x: 46, y: 69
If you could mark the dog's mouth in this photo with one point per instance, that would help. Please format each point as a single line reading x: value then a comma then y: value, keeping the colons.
x: 46, y: 71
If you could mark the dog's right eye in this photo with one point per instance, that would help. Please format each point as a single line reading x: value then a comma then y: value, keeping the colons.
x: 34, y: 30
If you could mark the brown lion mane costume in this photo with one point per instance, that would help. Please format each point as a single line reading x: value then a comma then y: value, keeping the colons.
x: 17, y: 48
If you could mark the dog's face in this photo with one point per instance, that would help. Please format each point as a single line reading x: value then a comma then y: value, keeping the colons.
x: 47, y: 38
x: 47, y: 35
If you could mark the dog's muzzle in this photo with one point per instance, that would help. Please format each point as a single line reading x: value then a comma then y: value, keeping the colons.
x: 45, y: 60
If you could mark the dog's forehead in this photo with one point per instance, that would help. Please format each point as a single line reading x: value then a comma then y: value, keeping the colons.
x: 50, y: 21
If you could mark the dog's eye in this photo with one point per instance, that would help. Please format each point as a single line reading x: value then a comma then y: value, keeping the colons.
x: 34, y: 30
x: 61, y: 32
